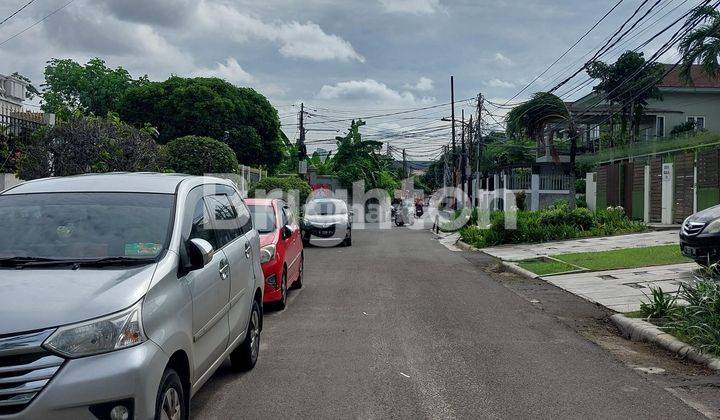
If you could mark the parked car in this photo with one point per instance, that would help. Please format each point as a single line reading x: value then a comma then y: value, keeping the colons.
x: 281, y: 248
x: 327, y: 222
x: 121, y: 294
x: 700, y: 236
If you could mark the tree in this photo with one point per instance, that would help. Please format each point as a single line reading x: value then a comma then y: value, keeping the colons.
x: 702, y: 45
x: 357, y: 159
x: 286, y: 184
x: 240, y: 117
x: 533, y: 119
x: 87, y: 144
x: 324, y: 165
x: 629, y: 83
x: 92, y: 89
x: 199, y: 155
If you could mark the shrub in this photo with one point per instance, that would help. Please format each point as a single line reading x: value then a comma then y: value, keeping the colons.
x: 660, y: 306
x: 199, y: 155
x: 698, y: 322
x: 285, y: 184
x: 87, y: 144
x: 555, y: 223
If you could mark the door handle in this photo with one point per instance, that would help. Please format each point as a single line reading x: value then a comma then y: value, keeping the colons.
x: 224, y: 268
x: 247, y: 250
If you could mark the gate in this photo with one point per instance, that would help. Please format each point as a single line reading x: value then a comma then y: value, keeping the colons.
x: 656, y: 189
x: 602, y: 187
x: 684, y: 166
x: 708, y: 179
x: 638, y: 192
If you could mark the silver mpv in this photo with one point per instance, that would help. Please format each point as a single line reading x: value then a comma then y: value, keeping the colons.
x: 121, y: 294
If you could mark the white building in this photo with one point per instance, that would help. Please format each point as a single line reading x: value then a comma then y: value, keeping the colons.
x: 12, y: 93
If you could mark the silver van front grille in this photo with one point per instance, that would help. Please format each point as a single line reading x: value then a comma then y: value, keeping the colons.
x: 25, y: 369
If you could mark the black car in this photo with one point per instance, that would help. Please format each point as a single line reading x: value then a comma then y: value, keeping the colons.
x: 700, y: 236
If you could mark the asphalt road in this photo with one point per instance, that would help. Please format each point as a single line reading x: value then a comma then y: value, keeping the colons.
x: 397, y: 326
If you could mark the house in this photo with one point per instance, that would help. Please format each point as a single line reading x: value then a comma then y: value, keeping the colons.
x: 12, y: 94
x: 681, y: 102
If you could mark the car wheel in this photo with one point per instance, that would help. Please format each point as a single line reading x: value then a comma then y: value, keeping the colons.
x: 299, y: 282
x: 348, y: 240
x: 246, y: 355
x: 282, y: 303
x: 171, y: 403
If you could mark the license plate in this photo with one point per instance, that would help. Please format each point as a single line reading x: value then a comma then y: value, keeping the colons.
x: 690, y: 251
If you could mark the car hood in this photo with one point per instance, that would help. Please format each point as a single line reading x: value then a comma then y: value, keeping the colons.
x: 268, y: 238
x: 34, y: 299
x: 706, y: 215
x: 326, y: 219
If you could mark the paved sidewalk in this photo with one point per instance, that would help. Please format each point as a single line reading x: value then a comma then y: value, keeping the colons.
x: 624, y: 290
x: 638, y: 240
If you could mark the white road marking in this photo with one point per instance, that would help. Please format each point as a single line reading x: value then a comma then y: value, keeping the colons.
x: 405, y: 375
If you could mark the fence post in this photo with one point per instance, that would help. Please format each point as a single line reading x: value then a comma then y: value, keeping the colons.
x: 535, y: 192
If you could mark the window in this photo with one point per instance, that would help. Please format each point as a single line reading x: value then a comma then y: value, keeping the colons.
x: 85, y: 225
x: 285, y: 217
x: 200, y: 224
x: 264, y: 217
x: 595, y: 132
x: 243, y: 213
x: 659, y: 126
x: 225, y: 219
x: 699, y: 122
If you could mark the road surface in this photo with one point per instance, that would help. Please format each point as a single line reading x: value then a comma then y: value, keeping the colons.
x: 398, y: 326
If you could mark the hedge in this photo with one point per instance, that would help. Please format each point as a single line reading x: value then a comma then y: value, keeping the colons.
x: 199, y: 155
x: 285, y: 184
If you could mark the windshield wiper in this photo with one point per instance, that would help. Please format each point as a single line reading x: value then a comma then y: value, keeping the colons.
x: 22, y: 262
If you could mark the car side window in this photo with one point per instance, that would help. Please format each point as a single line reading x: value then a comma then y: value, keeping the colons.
x: 285, y: 217
x: 225, y: 219
x: 200, y: 224
x: 244, y: 219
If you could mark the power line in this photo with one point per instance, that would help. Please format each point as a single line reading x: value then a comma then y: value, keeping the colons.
x: 17, y: 11
x: 567, y: 51
x: 37, y: 22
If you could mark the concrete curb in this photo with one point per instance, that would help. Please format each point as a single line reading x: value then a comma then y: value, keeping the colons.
x: 465, y: 247
x: 514, y: 268
x: 639, y: 330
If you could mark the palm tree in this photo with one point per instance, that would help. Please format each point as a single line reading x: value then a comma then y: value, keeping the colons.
x: 702, y: 45
x: 537, y: 119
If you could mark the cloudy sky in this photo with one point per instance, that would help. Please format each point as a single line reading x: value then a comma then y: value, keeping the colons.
x: 341, y: 57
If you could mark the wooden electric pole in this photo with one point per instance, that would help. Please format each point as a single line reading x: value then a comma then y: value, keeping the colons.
x: 452, y: 118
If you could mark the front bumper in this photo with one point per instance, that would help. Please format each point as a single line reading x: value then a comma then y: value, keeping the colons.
x: 325, y: 235
x: 128, y: 374
x: 701, y: 247
x: 272, y: 273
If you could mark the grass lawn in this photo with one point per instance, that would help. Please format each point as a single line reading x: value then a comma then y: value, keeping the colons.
x: 544, y: 267
x: 609, y: 260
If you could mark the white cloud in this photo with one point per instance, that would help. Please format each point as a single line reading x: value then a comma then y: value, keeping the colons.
x: 497, y: 83
x: 500, y: 58
x: 297, y: 40
x: 417, y: 7
x: 230, y: 71
x: 424, y: 84
x: 369, y: 91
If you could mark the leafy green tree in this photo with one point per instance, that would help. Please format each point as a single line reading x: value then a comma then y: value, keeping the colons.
x: 92, y: 88
x: 324, y: 165
x: 87, y: 144
x: 199, y: 155
x: 357, y: 159
x: 629, y: 83
x: 240, y: 117
x: 702, y: 45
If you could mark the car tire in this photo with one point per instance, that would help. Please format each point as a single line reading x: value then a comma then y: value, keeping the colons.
x: 298, y: 284
x: 282, y: 303
x: 246, y: 355
x: 171, y: 399
x: 348, y: 240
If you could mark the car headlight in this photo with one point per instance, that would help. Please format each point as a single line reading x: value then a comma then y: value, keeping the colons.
x: 267, y: 253
x: 101, y: 335
x: 712, y: 227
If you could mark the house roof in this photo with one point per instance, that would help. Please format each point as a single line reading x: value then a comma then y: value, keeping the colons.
x: 699, y: 78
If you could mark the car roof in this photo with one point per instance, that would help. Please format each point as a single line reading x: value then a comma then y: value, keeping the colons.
x: 141, y: 182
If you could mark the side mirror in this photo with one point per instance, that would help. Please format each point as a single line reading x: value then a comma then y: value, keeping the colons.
x: 200, y: 252
x: 286, y: 232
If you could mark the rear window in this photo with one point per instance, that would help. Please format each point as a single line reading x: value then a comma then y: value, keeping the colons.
x: 263, y: 217
x: 324, y: 208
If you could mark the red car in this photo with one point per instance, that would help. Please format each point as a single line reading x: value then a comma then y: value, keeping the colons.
x: 281, y: 248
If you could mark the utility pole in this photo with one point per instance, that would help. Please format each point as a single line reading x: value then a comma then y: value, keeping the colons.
x: 479, y: 139
x: 471, y: 128
x: 463, y: 175
x: 405, y: 172
x: 302, y: 149
x: 452, y: 117
x: 445, y: 166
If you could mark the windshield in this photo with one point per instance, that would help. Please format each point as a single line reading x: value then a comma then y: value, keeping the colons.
x: 84, y: 225
x: 326, y: 208
x: 263, y: 217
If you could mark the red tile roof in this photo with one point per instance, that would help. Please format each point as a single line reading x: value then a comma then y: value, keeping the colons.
x: 699, y: 78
